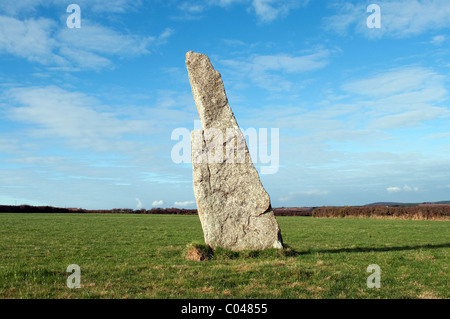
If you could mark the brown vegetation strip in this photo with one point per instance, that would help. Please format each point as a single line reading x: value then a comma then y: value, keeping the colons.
x: 422, y: 211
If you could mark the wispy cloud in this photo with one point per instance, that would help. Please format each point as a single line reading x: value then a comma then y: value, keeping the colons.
x: 157, y: 203
x: 103, y: 40
x: 184, y: 203
x: 290, y: 64
x: 438, y: 40
x: 395, y: 81
x: 400, y: 18
x: 196, y: 9
x: 268, y: 71
x: 393, y: 189
x: 265, y: 10
x: 164, y: 36
x: 406, y: 188
x: 192, y: 7
x: 410, y: 118
x: 22, y: 7
x: 270, y: 10
x: 30, y: 39
x: 9, y: 146
x: 357, y: 134
x: 139, y: 204
x: 92, y: 46
x: 72, y: 116
x: 401, y: 97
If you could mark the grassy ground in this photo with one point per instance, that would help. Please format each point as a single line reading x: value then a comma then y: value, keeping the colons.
x: 141, y: 256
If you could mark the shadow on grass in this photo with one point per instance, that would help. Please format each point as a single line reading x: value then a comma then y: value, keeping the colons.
x: 201, y: 252
x: 372, y: 249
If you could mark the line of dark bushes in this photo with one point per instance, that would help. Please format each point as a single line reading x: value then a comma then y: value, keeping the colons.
x: 38, y: 209
x: 57, y: 210
x: 430, y: 212
x: 427, y: 212
x: 293, y: 211
x: 166, y: 211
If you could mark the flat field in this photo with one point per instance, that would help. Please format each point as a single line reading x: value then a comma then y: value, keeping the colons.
x: 142, y: 256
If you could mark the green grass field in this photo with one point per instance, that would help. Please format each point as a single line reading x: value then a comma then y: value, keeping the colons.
x: 141, y: 256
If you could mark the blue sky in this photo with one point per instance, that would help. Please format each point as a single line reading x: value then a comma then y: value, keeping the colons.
x: 87, y: 113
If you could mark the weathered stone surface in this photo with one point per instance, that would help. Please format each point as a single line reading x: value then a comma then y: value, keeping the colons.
x: 233, y: 206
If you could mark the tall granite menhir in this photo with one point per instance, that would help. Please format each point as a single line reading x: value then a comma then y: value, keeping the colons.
x: 233, y: 206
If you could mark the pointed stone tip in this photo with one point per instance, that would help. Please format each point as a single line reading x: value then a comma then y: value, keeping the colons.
x: 192, y: 56
x: 189, y: 53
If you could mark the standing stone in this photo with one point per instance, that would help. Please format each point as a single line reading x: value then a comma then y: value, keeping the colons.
x: 233, y: 206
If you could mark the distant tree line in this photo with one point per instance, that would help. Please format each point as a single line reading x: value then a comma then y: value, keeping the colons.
x: 422, y: 211
x: 57, y: 210
x: 428, y: 212
x: 300, y: 211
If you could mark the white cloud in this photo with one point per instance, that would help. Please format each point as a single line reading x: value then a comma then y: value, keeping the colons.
x: 9, y: 146
x: 158, y: 203
x: 270, y: 10
x: 266, y: 10
x: 267, y: 71
x: 395, y: 81
x: 29, y: 39
x: 114, y: 6
x: 72, y: 116
x: 400, y: 18
x: 19, y: 7
x: 225, y: 3
x: 438, y: 39
x: 81, y: 59
x: 290, y: 64
x: 410, y: 118
x: 406, y: 188
x: 393, y: 189
x: 89, y: 47
x: 192, y: 8
x: 99, y: 39
x: 139, y: 204
x: 159, y: 178
x: 401, y: 97
x: 14, y: 8
x: 185, y: 203
x: 164, y: 36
